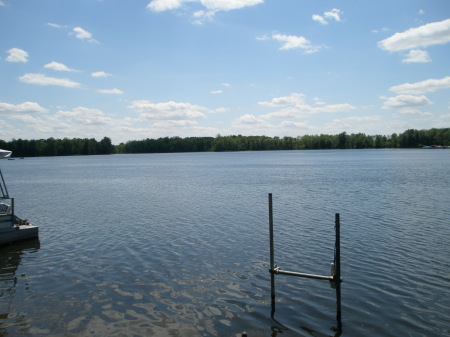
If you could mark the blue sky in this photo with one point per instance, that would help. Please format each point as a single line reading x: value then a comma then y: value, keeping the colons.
x: 132, y: 70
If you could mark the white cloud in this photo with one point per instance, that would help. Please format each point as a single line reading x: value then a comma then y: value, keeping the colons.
x: 17, y: 55
x: 294, y: 106
x: 294, y: 125
x: 293, y: 99
x: 214, y: 92
x: 318, y: 101
x: 164, y: 5
x: 320, y: 19
x: 82, y: 34
x: 114, y: 91
x: 59, y: 67
x: 417, y: 56
x: 85, y: 116
x: 100, y: 74
x: 211, y: 7
x: 80, y: 122
x: 25, y: 107
x: 251, y: 124
x: 334, y: 14
x: 427, y: 35
x: 418, y: 88
x: 55, y: 25
x: 168, y: 110
x: 359, y: 119
x: 41, y: 79
x: 174, y: 123
x: 219, y: 110
x: 201, y: 16
x: 295, y: 42
x: 249, y: 119
x: 226, y: 5
x: 2, y: 3
x: 408, y: 104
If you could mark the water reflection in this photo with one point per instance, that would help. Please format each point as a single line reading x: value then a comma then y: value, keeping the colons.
x: 10, y: 260
x: 279, y: 329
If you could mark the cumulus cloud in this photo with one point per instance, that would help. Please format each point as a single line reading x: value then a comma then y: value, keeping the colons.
x: 409, y: 104
x: 211, y: 7
x: 422, y: 87
x: 226, y: 5
x: 292, y: 99
x: 293, y: 42
x: 85, y: 116
x: 17, y: 55
x: 214, y: 5
x: 294, y: 125
x: 320, y: 19
x: 417, y: 56
x: 164, y: 5
x: 249, y: 119
x: 434, y: 33
x: 334, y: 14
x: 114, y: 91
x: 168, y: 110
x: 25, y: 107
x: 100, y: 74
x: 252, y: 124
x: 82, y: 34
x: 41, y: 79
x: 79, y: 122
x: 59, y: 67
x: 174, y: 123
x: 294, y: 106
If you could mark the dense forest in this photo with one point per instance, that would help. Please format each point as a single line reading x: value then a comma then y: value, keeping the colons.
x: 58, y: 147
x: 65, y: 147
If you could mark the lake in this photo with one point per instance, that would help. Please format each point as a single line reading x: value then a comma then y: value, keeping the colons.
x: 178, y: 244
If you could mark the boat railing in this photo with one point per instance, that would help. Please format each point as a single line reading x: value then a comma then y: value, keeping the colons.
x: 7, y: 215
x: 3, y: 187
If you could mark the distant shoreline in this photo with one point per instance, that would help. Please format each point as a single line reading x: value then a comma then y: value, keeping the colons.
x: 77, y: 146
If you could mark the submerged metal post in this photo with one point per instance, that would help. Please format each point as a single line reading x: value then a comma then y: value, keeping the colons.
x: 335, y: 278
x: 272, y: 258
x: 338, y: 270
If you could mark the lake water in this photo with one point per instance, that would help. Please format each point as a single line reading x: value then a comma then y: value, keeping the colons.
x: 178, y: 244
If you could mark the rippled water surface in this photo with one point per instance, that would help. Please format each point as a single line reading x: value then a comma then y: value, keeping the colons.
x: 178, y: 244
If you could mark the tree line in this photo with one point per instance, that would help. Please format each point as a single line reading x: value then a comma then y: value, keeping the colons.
x: 66, y: 147
x: 58, y: 147
x: 409, y: 139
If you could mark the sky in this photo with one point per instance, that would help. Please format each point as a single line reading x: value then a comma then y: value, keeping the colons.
x: 132, y: 70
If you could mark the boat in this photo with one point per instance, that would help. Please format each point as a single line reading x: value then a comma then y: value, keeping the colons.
x: 12, y: 228
x: 5, y: 153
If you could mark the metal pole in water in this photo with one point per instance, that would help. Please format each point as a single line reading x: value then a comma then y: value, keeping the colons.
x: 272, y: 258
x: 338, y: 270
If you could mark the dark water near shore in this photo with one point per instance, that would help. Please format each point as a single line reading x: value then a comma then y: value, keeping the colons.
x: 178, y: 244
